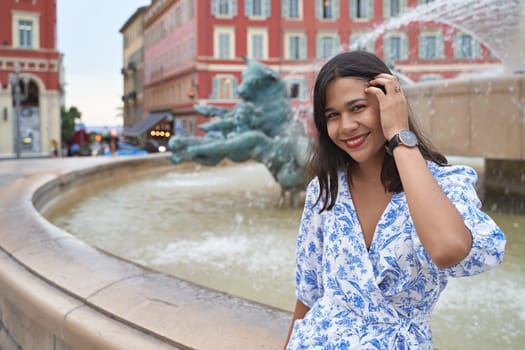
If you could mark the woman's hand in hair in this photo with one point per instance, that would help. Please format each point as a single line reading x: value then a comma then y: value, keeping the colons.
x: 392, y: 105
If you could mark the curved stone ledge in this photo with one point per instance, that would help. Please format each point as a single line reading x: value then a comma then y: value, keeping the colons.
x: 57, y: 292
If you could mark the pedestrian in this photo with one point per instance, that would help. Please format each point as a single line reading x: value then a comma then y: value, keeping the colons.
x: 386, y: 220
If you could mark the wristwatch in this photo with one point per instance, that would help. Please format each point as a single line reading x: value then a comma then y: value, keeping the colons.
x: 404, y: 137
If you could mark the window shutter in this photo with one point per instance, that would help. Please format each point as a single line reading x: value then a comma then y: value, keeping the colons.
x: 370, y: 14
x: 303, y: 48
x: 291, y: 48
x: 234, y: 85
x: 214, y: 88
x: 440, y: 46
x: 404, y: 47
x: 422, y: 44
x: 267, y: 8
x: 353, y: 9
x: 285, y: 8
x: 319, y: 9
x: 248, y: 8
x: 476, y: 48
x: 458, y: 52
x: 386, y: 8
x: 387, y: 46
x: 335, y: 8
x: 304, y: 88
x: 403, y: 7
x: 234, y: 8
x: 318, y: 52
x: 337, y: 46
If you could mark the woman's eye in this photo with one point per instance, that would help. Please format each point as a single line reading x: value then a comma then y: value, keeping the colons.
x: 357, y: 108
x: 331, y: 115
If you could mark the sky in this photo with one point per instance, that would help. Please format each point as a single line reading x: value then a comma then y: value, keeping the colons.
x: 88, y: 36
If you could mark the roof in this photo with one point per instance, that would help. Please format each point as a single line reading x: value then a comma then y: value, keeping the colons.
x: 145, y: 124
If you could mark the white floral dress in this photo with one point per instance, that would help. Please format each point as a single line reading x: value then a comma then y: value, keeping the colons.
x: 381, y: 298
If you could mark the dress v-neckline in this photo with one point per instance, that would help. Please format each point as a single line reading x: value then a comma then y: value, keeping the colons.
x: 355, y: 217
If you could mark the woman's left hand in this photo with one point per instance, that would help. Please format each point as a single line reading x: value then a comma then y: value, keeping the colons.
x: 392, y: 105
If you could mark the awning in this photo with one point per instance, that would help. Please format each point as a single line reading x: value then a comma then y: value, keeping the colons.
x: 146, y: 124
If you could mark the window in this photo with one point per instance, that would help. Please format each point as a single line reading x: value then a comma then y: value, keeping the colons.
x: 257, y: 46
x: 393, y: 8
x: 257, y: 8
x: 224, y: 45
x: 395, y: 47
x: 361, y: 9
x: 296, y: 47
x: 327, y: 45
x: 224, y: 38
x: 430, y: 46
x: 465, y: 46
x: 224, y: 8
x: 224, y: 87
x: 423, y: 2
x: 327, y: 9
x: 25, y: 29
x: 25, y: 34
x: 291, y: 8
x: 297, y: 88
x: 361, y: 41
x: 294, y: 90
x: 257, y: 43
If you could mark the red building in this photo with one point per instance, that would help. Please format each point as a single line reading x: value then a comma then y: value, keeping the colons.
x: 28, y: 41
x: 193, y: 49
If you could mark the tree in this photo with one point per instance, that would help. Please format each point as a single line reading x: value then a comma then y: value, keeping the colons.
x: 68, y: 118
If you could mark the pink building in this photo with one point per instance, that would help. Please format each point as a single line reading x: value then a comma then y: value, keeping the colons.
x: 193, y: 49
x: 28, y: 41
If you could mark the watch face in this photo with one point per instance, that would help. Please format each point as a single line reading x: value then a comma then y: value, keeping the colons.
x: 408, y: 138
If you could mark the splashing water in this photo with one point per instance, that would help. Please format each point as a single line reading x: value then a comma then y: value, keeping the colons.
x: 495, y: 23
x: 492, y: 22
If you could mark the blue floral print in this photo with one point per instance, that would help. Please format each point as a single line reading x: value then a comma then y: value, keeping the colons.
x: 381, y: 298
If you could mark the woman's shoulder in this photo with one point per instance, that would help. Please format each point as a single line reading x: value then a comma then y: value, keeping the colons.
x: 455, y: 173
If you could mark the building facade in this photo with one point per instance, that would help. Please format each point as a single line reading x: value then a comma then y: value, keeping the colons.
x: 133, y: 68
x: 193, y: 49
x: 28, y: 41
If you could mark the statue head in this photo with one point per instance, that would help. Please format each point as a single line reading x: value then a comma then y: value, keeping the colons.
x: 260, y: 82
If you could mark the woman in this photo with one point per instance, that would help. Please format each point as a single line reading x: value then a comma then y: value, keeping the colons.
x: 386, y: 220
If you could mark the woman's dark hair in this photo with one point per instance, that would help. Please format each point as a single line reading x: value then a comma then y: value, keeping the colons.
x: 326, y: 157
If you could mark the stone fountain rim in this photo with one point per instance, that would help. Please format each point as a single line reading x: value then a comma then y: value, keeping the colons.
x: 148, y: 307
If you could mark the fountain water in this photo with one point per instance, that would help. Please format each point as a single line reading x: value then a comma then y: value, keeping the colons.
x: 221, y: 227
x: 496, y: 23
x: 221, y: 222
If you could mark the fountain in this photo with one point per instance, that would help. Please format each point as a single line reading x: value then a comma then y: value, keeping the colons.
x: 259, y: 127
x: 197, y: 224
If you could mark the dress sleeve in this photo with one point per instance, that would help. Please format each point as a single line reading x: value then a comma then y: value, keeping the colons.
x: 488, y: 241
x: 308, y: 277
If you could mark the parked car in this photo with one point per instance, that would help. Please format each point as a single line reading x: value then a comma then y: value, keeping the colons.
x: 126, y: 149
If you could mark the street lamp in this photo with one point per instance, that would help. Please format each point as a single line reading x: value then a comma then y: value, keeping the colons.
x: 18, y: 96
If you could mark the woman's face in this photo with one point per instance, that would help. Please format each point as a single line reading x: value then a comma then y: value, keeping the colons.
x: 352, y: 120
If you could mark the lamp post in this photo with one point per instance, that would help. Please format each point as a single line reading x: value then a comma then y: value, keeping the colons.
x: 18, y: 96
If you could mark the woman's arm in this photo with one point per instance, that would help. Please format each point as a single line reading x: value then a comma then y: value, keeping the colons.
x: 438, y: 223
x: 299, y: 312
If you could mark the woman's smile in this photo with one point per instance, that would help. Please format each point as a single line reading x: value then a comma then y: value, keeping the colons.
x: 356, y: 141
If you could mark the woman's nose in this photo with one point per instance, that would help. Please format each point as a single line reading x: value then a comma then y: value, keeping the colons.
x: 348, y: 122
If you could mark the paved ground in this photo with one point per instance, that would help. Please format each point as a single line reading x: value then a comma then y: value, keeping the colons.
x: 13, y: 169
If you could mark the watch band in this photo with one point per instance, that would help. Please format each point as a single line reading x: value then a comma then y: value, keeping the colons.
x: 403, y: 137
